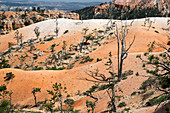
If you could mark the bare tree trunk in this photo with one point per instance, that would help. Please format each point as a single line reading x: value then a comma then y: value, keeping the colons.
x: 35, y: 98
x: 33, y: 64
x: 118, y: 51
x: 57, y: 29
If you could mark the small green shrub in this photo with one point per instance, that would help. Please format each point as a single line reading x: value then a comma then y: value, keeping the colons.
x: 155, y: 101
x: 71, y: 53
x: 156, y: 31
x: 66, y: 31
x: 137, y: 74
x: 165, y: 82
x: 122, y: 104
x: 124, y: 78
x: 53, y: 45
x: 9, y: 76
x: 134, y: 93
x: 16, y: 67
x: 147, y: 84
x: 55, y: 68
x: 103, y: 87
x: 38, y: 68
x: 69, y: 101
x: 49, y: 39
x: 35, y: 57
x: 4, y: 106
x: 98, y: 59
x: 127, y: 109
x: 86, y: 59
x: 61, y: 68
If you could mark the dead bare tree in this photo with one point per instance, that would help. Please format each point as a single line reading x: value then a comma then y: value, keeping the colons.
x: 34, y: 91
x: 17, y: 36
x: 110, y: 82
x: 150, y: 24
x: 57, y: 29
x: 82, y: 40
x: 122, y: 47
x: 21, y: 39
x: 131, y: 23
x: 146, y: 21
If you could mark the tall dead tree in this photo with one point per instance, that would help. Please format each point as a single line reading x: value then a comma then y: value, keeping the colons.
x: 82, y: 41
x: 108, y: 83
x: 17, y: 36
x: 57, y: 29
x: 21, y: 39
x: 122, y: 47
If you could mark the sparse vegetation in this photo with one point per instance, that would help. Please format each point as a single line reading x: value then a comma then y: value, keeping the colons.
x: 91, y: 105
x: 134, y: 93
x: 57, y: 96
x: 122, y: 104
x: 86, y: 59
x: 105, y: 81
x: 98, y: 59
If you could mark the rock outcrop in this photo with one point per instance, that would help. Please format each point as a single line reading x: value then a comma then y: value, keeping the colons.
x: 162, y: 5
x: 10, y: 20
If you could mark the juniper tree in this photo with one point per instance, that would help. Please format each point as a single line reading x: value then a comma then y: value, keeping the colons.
x: 57, y: 96
x: 52, y: 47
x: 9, y: 76
x: 34, y: 91
x: 159, y: 67
x: 3, y: 91
x: 70, y: 102
x: 4, y: 106
x: 91, y: 105
x: 4, y: 63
